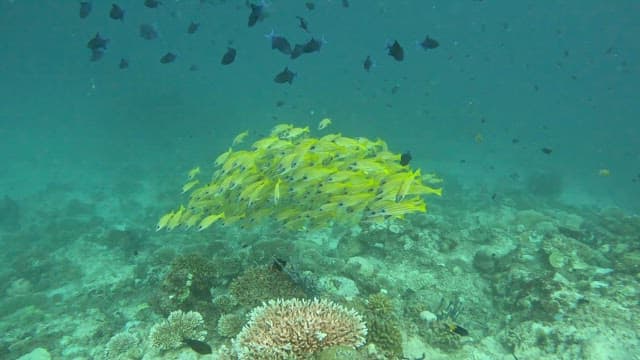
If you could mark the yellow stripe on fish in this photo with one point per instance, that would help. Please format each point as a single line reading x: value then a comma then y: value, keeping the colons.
x: 209, y: 220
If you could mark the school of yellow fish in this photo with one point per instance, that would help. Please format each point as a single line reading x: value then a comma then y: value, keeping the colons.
x: 300, y: 182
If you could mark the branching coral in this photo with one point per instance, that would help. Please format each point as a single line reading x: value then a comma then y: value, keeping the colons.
x: 296, y: 329
x: 171, y: 333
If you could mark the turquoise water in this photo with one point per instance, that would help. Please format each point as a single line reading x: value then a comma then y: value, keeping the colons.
x: 540, y: 248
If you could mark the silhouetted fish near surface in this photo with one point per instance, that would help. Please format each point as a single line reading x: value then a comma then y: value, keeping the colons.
x: 85, y: 9
x: 546, y: 150
x: 124, y: 63
x: 148, y: 32
x: 312, y: 45
x: 297, y: 51
x: 193, y: 27
x: 152, y: 4
x: 396, y: 51
x: 285, y: 76
x: 429, y: 43
x: 116, y: 12
x: 198, y: 346
x: 96, y: 54
x: 302, y: 23
x: 405, y: 158
x: 229, y: 56
x: 279, y: 43
x: 257, y: 14
x: 168, y: 58
x: 368, y: 63
x: 98, y: 43
x: 345, y: 3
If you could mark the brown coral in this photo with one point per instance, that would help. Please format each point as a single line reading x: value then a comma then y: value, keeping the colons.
x: 295, y: 329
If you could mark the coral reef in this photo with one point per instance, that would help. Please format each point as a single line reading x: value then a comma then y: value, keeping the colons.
x: 296, y: 329
x: 187, y: 284
x: 171, y: 333
x: 229, y: 325
x: 302, y: 182
x: 123, y: 346
x: 261, y: 283
x: 384, y: 326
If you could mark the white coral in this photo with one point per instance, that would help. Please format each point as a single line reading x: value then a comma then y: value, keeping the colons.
x: 170, y: 333
x: 292, y: 329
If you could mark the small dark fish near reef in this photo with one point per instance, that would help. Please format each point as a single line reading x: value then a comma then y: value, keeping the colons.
x: 429, y: 43
x: 229, y: 56
x: 405, y: 158
x: 168, y: 58
x: 285, y: 76
x: 368, y: 63
x: 116, y: 12
x: 396, y: 51
x: 546, y: 150
x: 193, y: 27
x: 302, y: 23
x: 279, y: 43
x: 98, y: 43
x: 198, y: 346
x: 148, y: 32
x: 257, y: 14
x: 310, y: 46
x: 152, y: 4
x: 85, y: 9
x: 124, y: 63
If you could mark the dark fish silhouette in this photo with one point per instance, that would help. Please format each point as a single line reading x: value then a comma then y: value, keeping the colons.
x: 429, y: 43
x: 279, y: 43
x: 285, y: 76
x: 546, y: 150
x: 148, y: 32
x: 310, y: 5
x: 116, y: 12
x: 124, y: 63
x: 312, y: 45
x: 168, y: 58
x: 297, y: 51
x: 405, y: 158
x: 229, y: 56
x: 152, y: 4
x: 98, y: 43
x: 302, y: 23
x: 396, y: 51
x: 345, y: 3
x: 198, y: 346
x: 96, y: 54
x: 368, y: 63
x: 85, y: 9
x: 257, y: 14
x: 193, y: 27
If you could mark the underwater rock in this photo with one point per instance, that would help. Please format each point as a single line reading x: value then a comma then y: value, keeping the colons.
x: 9, y: 214
x: 37, y: 354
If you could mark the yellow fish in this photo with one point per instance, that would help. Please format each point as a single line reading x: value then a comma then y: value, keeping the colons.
x: 193, y: 172
x: 276, y: 192
x: 324, y: 123
x: 280, y: 129
x: 222, y: 157
x: 239, y: 138
x: 209, y: 220
x: 604, y: 172
x: 188, y: 186
x: 164, y: 220
x: 176, y: 218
